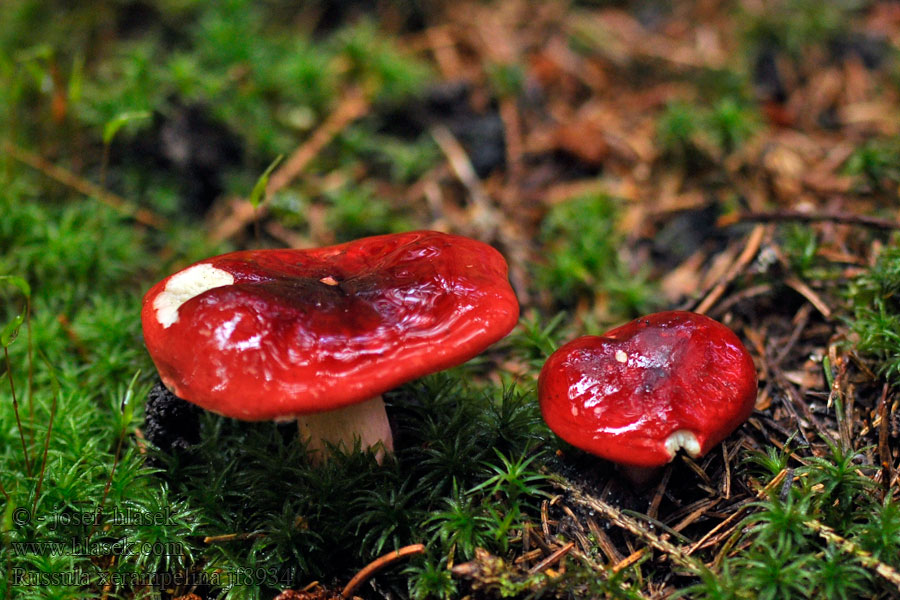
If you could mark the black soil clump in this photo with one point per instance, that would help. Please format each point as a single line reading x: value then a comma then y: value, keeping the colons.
x: 170, y: 423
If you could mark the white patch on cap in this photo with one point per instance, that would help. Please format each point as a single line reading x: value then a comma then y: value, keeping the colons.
x: 183, y: 286
x: 683, y: 440
x: 621, y: 356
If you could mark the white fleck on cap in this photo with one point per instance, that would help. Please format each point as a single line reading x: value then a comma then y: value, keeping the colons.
x: 183, y: 286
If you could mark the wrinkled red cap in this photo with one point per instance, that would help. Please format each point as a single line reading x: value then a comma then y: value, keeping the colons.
x: 623, y: 395
x: 263, y: 334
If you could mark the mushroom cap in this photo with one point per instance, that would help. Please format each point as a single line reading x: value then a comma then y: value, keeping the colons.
x: 271, y: 334
x: 636, y: 395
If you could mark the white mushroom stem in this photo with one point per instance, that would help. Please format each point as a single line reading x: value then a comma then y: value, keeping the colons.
x: 366, y: 421
x: 683, y: 440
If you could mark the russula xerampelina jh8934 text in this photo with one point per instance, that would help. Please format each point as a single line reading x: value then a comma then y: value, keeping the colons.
x: 639, y: 393
x: 318, y: 335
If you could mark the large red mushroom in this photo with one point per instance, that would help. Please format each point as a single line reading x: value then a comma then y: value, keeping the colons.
x: 638, y: 394
x: 318, y: 335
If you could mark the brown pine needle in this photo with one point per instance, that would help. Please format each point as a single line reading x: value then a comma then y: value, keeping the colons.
x: 230, y: 537
x: 737, y: 514
x: 629, y: 560
x: 754, y: 241
x: 676, y: 554
x: 40, y: 482
x: 552, y: 559
x: 15, y: 403
x: 808, y: 293
x: 378, y: 564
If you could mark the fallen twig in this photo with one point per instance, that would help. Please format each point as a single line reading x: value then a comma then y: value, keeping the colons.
x: 351, y: 107
x: 849, y: 547
x: 806, y: 217
x: 83, y: 186
x: 483, y: 212
x: 489, y: 223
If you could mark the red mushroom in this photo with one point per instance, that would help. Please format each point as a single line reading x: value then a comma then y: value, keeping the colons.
x: 665, y: 382
x: 317, y: 335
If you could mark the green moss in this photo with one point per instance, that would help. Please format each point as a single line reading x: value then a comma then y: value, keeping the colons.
x: 783, y: 552
x: 257, y: 77
x: 585, y: 258
x: 876, y: 164
x: 403, y: 161
x: 691, y: 134
x: 448, y: 484
x: 800, y: 243
x: 799, y: 26
x: 876, y: 312
x: 677, y: 127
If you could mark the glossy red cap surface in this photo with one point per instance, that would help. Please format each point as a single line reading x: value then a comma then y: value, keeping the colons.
x: 265, y: 334
x: 640, y: 392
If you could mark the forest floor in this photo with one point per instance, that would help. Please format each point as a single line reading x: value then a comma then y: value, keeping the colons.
x: 736, y: 159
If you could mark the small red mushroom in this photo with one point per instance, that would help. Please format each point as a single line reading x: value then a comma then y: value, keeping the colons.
x: 317, y: 335
x: 665, y: 382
